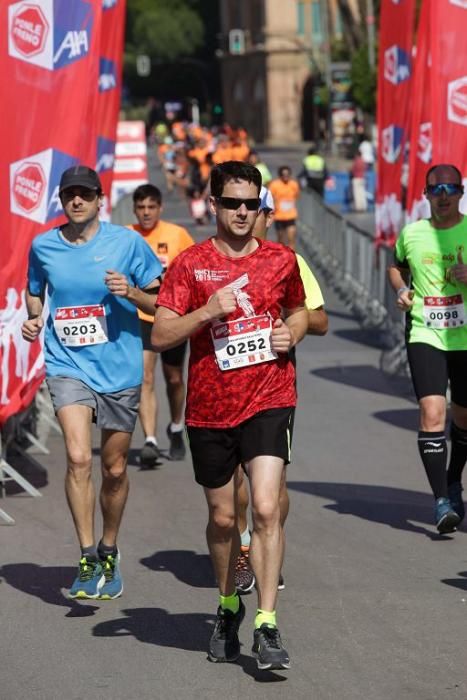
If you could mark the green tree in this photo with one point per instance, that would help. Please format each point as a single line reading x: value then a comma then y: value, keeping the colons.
x: 363, y: 80
x: 162, y: 29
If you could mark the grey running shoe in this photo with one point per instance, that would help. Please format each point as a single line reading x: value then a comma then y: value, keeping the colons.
x: 224, y: 644
x: 244, y: 577
x: 177, y: 449
x: 268, y: 649
x: 446, y: 518
x: 150, y: 456
x: 455, y: 496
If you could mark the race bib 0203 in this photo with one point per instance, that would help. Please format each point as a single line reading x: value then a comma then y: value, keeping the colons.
x: 81, y: 325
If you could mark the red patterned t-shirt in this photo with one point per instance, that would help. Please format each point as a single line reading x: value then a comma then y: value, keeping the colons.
x: 270, y: 282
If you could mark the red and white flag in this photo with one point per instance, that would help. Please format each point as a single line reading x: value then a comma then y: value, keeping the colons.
x: 394, y: 87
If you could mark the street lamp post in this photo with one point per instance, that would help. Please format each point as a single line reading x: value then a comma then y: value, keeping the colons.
x: 370, y: 22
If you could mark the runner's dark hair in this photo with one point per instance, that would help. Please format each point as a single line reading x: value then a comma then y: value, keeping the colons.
x: 145, y: 191
x: 233, y: 170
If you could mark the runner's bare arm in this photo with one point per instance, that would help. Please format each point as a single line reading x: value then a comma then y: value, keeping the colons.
x: 170, y: 329
x: 34, y: 324
x: 399, y: 279
x: 143, y: 299
x: 286, y: 334
x: 317, y: 321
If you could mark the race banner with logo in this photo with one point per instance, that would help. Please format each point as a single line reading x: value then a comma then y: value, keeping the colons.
x: 131, y: 161
x: 394, y: 86
x: 49, y: 62
x: 421, y: 137
x: 449, y: 84
x: 109, y: 89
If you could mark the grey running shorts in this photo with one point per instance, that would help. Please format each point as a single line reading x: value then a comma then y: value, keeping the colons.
x: 112, y: 411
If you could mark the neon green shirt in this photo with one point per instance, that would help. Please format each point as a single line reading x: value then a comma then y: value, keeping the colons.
x: 314, y: 298
x: 439, y: 314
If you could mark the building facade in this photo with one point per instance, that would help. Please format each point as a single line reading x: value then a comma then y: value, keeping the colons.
x: 274, y: 54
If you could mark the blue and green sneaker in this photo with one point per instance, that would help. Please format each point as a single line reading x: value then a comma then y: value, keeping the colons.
x: 113, y: 586
x: 89, y: 581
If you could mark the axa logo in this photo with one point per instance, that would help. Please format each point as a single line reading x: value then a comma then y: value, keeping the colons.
x: 396, y: 65
x: 392, y: 138
x: 34, y: 185
x: 457, y: 100
x: 105, y: 155
x: 424, y: 143
x: 459, y: 3
x: 107, y: 75
x: 50, y: 34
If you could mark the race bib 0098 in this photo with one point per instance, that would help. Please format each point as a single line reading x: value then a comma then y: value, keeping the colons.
x: 444, y: 312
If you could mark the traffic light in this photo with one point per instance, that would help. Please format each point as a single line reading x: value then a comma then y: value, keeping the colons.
x: 237, y: 41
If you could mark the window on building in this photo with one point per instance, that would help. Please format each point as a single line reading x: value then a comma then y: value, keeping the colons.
x: 339, y: 26
x: 316, y: 22
x: 301, y: 18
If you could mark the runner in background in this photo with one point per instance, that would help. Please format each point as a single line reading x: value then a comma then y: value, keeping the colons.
x: 93, y: 274
x: 429, y: 276
x: 254, y: 159
x: 317, y: 325
x: 167, y: 241
x: 285, y: 192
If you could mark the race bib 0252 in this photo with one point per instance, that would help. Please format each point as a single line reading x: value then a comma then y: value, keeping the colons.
x: 243, y: 342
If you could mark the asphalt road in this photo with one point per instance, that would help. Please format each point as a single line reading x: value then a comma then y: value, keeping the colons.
x: 375, y: 601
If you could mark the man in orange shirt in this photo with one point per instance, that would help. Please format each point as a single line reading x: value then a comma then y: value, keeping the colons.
x: 167, y: 241
x: 285, y: 192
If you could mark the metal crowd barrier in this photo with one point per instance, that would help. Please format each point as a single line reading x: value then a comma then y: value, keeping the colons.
x: 347, y: 259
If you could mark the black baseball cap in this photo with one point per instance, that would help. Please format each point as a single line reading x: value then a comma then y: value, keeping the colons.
x: 80, y: 176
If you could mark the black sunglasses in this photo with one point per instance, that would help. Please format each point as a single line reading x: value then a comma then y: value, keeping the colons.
x: 449, y: 188
x: 236, y: 203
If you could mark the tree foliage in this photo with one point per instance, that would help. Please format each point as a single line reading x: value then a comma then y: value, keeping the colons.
x: 163, y: 29
x: 363, y: 80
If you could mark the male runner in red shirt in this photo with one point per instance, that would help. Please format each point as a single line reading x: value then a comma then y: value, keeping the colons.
x: 230, y: 295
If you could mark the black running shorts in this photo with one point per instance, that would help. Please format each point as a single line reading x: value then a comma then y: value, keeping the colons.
x: 431, y: 369
x: 175, y: 357
x: 216, y: 452
x: 281, y: 225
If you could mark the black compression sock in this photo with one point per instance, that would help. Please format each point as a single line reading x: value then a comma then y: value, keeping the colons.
x: 458, y: 453
x: 433, y: 451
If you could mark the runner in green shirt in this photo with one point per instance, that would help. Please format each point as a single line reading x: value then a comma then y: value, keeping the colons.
x: 430, y: 253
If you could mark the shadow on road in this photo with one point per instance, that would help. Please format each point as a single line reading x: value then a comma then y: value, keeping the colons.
x: 190, y: 631
x: 457, y: 582
x: 45, y: 583
x: 366, y: 377
x: 397, y: 508
x: 187, y: 566
x: 407, y: 418
x: 362, y: 336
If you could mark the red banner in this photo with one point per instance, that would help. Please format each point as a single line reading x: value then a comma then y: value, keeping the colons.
x: 394, y: 86
x: 449, y: 83
x: 49, y: 63
x: 108, y: 103
x: 421, y: 132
